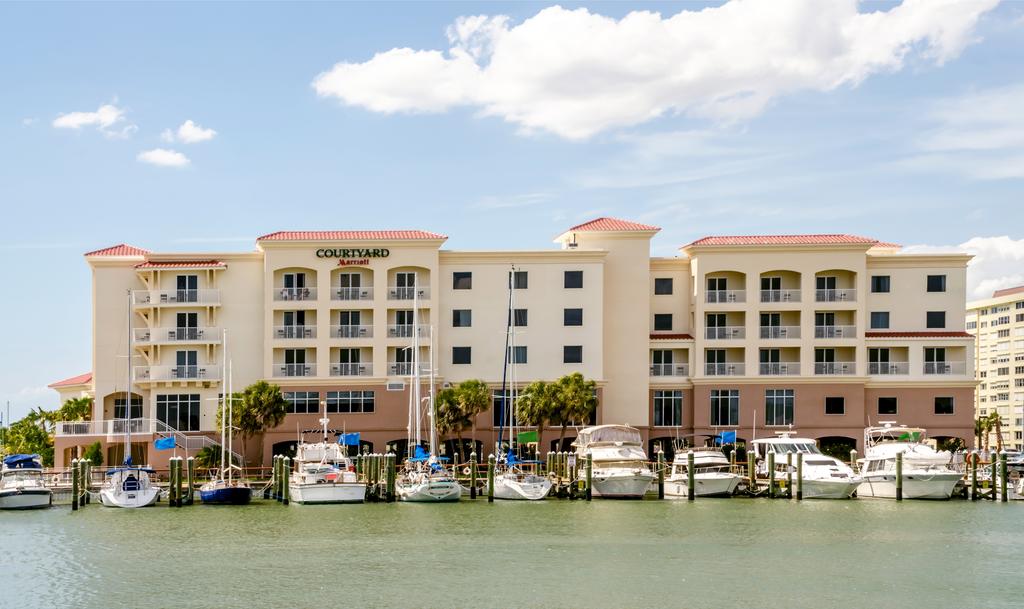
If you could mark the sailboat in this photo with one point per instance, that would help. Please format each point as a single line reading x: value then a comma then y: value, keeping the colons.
x: 511, y: 481
x: 323, y: 472
x: 225, y: 489
x: 424, y: 477
x: 129, y: 486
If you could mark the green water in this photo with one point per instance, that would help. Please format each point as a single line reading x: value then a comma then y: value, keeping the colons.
x: 710, y: 553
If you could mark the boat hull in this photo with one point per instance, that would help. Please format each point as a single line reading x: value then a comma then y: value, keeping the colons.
x: 829, y: 489
x: 25, y: 499
x: 315, y: 494
x: 704, y: 485
x: 915, y: 486
x: 433, y: 491
x: 230, y: 495
x: 621, y: 486
x: 129, y: 499
x: 511, y: 489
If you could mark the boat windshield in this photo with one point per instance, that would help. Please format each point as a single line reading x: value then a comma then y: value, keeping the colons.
x: 784, y: 448
x: 612, y: 434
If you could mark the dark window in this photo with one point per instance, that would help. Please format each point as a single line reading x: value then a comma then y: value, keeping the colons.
x: 662, y: 285
x: 179, y: 411
x: 350, y: 401
x: 119, y: 409
x: 668, y: 408
x: 887, y: 406
x: 462, y: 281
x: 573, y: 279
x: 462, y: 355
x: 725, y: 407
x: 572, y: 354
x: 518, y: 356
x: 572, y: 317
x: 662, y: 321
x: 778, y: 407
x: 520, y: 317
x: 879, y: 283
x: 520, y: 280
x: 462, y: 318
x: 498, y: 410
x: 879, y: 319
x: 936, y: 283
x: 835, y: 405
x: 943, y: 405
x: 302, y: 402
x: 936, y: 319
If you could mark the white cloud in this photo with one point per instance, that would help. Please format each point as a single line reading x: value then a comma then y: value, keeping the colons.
x: 998, y: 263
x: 188, y: 133
x: 576, y: 73
x: 163, y: 158
x: 108, y: 120
x: 28, y: 122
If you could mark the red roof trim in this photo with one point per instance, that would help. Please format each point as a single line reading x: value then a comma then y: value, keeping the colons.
x: 671, y: 337
x: 823, y: 239
x: 121, y: 249
x: 81, y: 379
x: 1008, y: 291
x: 612, y: 224
x: 179, y: 264
x: 355, y: 235
x: 918, y: 335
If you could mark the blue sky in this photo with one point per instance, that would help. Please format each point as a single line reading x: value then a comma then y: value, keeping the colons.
x: 526, y: 125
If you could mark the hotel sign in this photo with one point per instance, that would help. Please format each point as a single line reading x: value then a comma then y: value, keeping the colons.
x: 353, y: 256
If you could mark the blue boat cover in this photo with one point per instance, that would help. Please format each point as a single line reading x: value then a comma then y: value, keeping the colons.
x: 112, y: 471
x: 23, y: 462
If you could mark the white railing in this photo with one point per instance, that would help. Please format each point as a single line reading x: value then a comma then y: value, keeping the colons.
x: 780, y: 295
x: 780, y: 331
x: 779, y: 368
x: 115, y: 428
x: 298, y: 294
x: 151, y: 336
x: 835, y: 368
x: 888, y: 368
x: 726, y: 296
x: 80, y: 428
x: 726, y: 369
x: 844, y: 295
x: 302, y: 331
x: 407, y: 293
x: 835, y: 331
x: 725, y: 332
x: 290, y: 370
x: 351, y: 331
x: 405, y: 331
x: 175, y: 297
x: 670, y: 370
x: 205, y: 372
x: 945, y: 367
x: 352, y: 293
x: 405, y: 368
x: 351, y: 369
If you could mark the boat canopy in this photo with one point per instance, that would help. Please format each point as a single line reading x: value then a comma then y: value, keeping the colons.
x: 608, y: 433
x: 23, y: 462
x: 111, y: 472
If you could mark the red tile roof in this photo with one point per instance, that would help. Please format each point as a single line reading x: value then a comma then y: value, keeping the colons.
x: 1007, y: 291
x: 831, y: 239
x: 611, y: 224
x: 121, y: 249
x: 81, y: 379
x: 671, y: 337
x: 180, y: 264
x: 918, y: 335
x: 353, y: 235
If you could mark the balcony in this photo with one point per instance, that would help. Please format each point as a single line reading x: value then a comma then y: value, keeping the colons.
x: 670, y: 370
x: 349, y: 331
x: 728, y: 296
x: 888, y: 368
x: 206, y: 372
x: 405, y: 368
x: 835, y: 368
x: 294, y: 370
x: 779, y: 369
x: 300, y: 332
x: 844, y: 295
x: 725, y: 333
x: 180, y: 298
x: 726, y: 369
x: 780, y: 332
x: 835, y: 331
x: 405, y: 331
x: 408, y: 293
x: 352, y: 369
x: 780, y: 296
x: 945, y: 367
x: 294, y: 294
x: 158, y: 336
x: 351, y: 293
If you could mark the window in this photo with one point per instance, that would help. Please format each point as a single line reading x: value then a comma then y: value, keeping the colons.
x: 936, y: 283
x: 119, y: 410
x: 662, y: 285
x: 572, y: 317
x: 519, y: 318
x: 573, y: 279
x: 668, y: 408
x: 662, y: 321
x: 179, y: 411
x: 879, y: 319
x: 971, y: 325
x: 302, y: 402
x: 778, y: 407
x: 835, y: 405
x: 725, y: 407
x: 188, y: 288
x: 1019, y: 318
x: 943, y: 405
x: 517, y: 355
x: 936, y: 319
x: 520, y: 281
x: 462, y: 281
x: 462, y: 355
x: 350, y: 401
x: 887, y: 406
x: 572, y: 354
x: 462, y: 318
x: 879, y: 284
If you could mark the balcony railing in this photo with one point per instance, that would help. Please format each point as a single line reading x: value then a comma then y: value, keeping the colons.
x: 407, y: 293
x: 780, y: 295
x: 725, y: 332
x: 349, y: 331
x: 302, y: 331
x: 779, y: 368
x: 780, y: 331
x: 726, y: 296
x: 844, y: 295
x: 670, y: 370
x: 292, y: 370
x: 726, y: 369
x: 405, y: 331
x: 294, y: 294
x: 351, y: 293
x: 151, y: 336
x: 205, y: 372
x: 351, y: 369
x: 945, y: 367
x: 835, y: 368
x: 888, y: 368
x: 835, y: 331
x: 405, y: 368
x: 175, y: 297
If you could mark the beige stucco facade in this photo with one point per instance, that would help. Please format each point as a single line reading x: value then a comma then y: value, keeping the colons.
x: 998, y: 325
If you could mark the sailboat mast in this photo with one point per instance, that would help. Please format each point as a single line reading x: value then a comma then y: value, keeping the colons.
x: 512, y: 370
x: 128, y: 389
x: 505, y: 359
x: 416, y: 358
x: 433, y: 406
x: 223, y: 402
x: 231, y: 416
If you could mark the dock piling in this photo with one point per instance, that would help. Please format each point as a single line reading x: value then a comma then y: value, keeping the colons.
x: 799, y: 476
x: 86, y: 474
x: 472, y: 473
x: 771, y: 475
x: 973, y: 458
x: 490, y: 478
x: 899, y: 476
x: 789, y: 475
x: 853, y: 459
x: 590, y: 476
x: 191, y: 489
x: 285, y: 470
x: 691, y: 483
x: 389, y: 463
x: 171, y: 500
x: 1002, y: 476
x: 661, y: 474
x: 75, y: 484
x: 751, y: 473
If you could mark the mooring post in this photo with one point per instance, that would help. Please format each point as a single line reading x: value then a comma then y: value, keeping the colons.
x: 472, y: 473
x: 490, y: 478
x: 548, y: 462
x: 390, y: 464
x: 993, y: 460
x: 789, y: 475
x: 973, y: 458
x: 191, y: 491
x: 751, y: 472
x: 1002, y: 476
x: 590, y: 476
x: 179, y: 480
x: 771, y: 475
x: 170, y: 482
x: 799, y: 476
x: 661, y: 474
x: 286, y: 468
x: 899, y: 476
x: 75, y: 484
x: 691, y: 483
x: 84, y: 464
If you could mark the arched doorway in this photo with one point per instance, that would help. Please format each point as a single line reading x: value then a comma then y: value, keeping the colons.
x: 286, y: 449
x: 837, y: 446
x: 566, y: 444
x: 450, y: 448
x: 951, y: 443
x: 140, y: 454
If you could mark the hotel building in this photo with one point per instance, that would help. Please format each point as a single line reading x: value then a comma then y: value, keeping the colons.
x: 823, y: 334
x: 998, y: 325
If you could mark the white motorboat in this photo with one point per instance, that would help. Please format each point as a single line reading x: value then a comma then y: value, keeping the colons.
x: 21, y: 484
x: 824, y: 477
x: 620, y: 469
x: 427, y: 481
x: 323, y: 472
x: 926, y: 471
x: 712, y: 474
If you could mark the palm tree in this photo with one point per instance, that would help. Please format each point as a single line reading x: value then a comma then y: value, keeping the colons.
x: 260, y: 407
x: 76, y: 409
x: 996, y: 424
x: 474, y: 398
x: 536, y: 406
x: 577, y: 401
x: 451, y: 418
